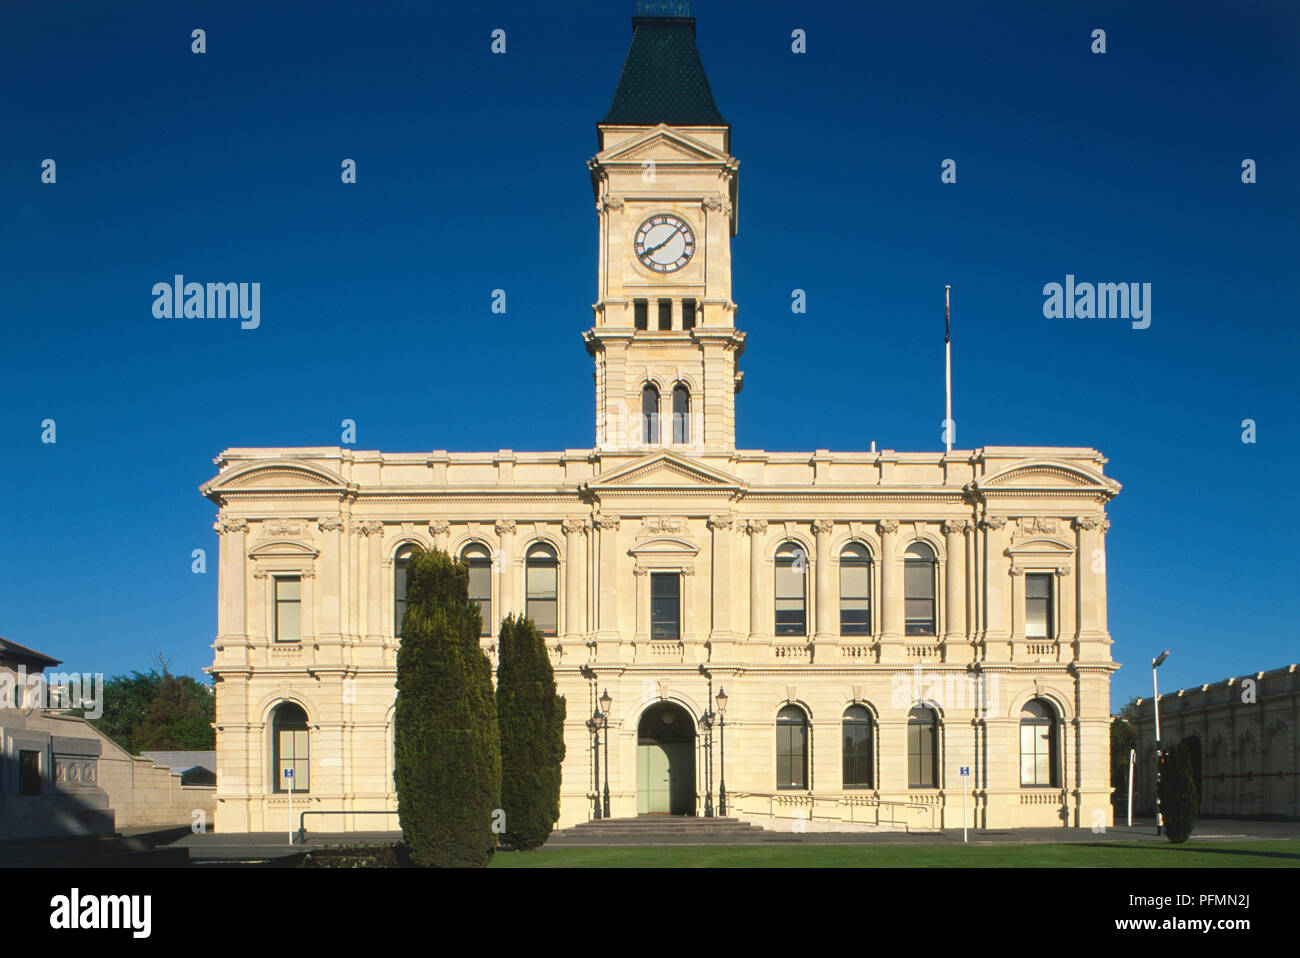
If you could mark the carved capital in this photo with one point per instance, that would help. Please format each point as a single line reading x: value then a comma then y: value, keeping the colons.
x: 226, y: 524
x: 605, y: 521
x: 439, y: 527
x: 1063, y: 570
x: 1015, y: 571
x: 688, y: 569
x: 887, y: 526
x: 609, y: 201
x: 756, y: 527
x: 329, y: 523
x: 640, y: 570
x: 504, y: 526
x: 368, y: 527
x: 1087, y: 523
x: 716, y: 203
x: 575, y: 526
x: 956, y: 527
x: 993, y: 523
x: 823, y: 527
x: 722, y: 520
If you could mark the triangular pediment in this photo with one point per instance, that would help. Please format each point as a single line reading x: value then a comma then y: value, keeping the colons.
x: 665, y: 471
x: 661, y: 143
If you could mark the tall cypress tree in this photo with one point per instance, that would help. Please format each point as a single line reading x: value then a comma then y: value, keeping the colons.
x: 447, y: 766
x: 530, y: 716
x: 1178, y: 800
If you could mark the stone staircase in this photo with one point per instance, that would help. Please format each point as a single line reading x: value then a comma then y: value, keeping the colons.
x: 666, y: 830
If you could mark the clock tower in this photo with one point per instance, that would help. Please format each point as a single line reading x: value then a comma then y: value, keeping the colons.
x: 665, y: 342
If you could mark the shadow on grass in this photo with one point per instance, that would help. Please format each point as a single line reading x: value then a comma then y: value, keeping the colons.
x: 1197, y: 849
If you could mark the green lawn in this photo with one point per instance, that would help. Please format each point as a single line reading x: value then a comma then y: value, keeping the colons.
x: 1192, y: 854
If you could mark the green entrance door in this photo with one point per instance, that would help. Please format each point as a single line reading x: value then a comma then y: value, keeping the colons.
x: 665, y: 762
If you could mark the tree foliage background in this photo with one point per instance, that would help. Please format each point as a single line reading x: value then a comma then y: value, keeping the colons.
x: 157, y: 711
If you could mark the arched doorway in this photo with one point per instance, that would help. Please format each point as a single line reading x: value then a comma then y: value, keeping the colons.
x: 665, y: 761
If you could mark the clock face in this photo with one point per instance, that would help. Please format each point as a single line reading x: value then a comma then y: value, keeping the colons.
x: 664, y: 243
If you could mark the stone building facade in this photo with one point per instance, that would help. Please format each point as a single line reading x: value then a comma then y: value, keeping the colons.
x: 877, y: 620
x: 1241, y: 736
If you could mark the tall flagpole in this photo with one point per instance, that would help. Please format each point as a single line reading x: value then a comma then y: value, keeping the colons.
x: 947, y: 348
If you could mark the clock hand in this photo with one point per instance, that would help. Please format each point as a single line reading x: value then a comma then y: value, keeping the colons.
x: 671, y: 237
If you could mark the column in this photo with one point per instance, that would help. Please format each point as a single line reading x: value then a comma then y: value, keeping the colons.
x: 757, y: 529
x: 722, y: 628
x: 575, y: 573
x: 997, y: 585
x: 827, y: 627
x: 891, y: 582
x: 504, y: 562
x: 373, y: 531
x: 957, y: 649
x: 232, y: 610
x: 1091, y: 590
x: 607, y: 624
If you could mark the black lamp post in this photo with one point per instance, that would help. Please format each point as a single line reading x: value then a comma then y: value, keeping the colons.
x: 593, y: 724
x: 706, y: 725
x: 1155, y: 707
x: 722, y: 758
x: 605, y: 703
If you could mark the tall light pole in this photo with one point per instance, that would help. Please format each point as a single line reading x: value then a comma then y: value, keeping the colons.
x: 722, y: 760
x: 1155, y: 705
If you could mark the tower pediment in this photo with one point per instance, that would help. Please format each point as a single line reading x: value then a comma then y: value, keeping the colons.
x: 660, y: 143
x: 668, y: 472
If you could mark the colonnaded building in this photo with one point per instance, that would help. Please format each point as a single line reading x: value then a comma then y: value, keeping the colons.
x: 822, y: 636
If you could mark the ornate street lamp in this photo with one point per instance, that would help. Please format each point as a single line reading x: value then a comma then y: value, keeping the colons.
x: 593, y: 726
x: 722, y: 758
x: 1155, y: 706
x: 605, y: 703
x: 706, y: 725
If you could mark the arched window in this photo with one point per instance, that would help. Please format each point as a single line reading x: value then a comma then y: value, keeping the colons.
x: 791, y: 605
x: 922, y: 748
x: 650, y: 414
x: 855, y: 590
x: 289, y: 743
x: 859, y: 759
x: 476, y: 557
x: 543, y: 588
x: 920, y: 571
x: 791, y: 748
x: 681, y: 413
x: 1038, y: 745
x: 400, y: 562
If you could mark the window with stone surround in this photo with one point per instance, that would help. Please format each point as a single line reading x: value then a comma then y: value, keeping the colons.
x: 859, y: 755
x: 649, y: 413
x: 665, y: 605
x: 542, y: 571
x: 855, y: 590
x: 920, y: 578
x: 641, y: 313
x: 790, y: 589
x: 1038, y: 745
x: 791, y: 748
x: 1039, y: 622
x: 476, y: 557
x: 922, y: 748
x: 400, y: 563
x: 681, y: 413
x: 288, y: 608
x: 289, y: 738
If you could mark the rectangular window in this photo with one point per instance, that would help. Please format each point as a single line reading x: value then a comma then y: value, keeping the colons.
x: 665, y: 605
x: 920, y: 755
x: 543, y: 595
x: 29, y: 772
x: 791, y: 747
x: 855, y: 592
x: 790, y: 617
x: 688, y: 314
x: 1036, y: 754
x: 288, y: 609
x: 293, y: 755
x: 399, y: 594
x: 918, y: 604
x: 640, y: 313
x: 1038, y: 606
x: 480, y: 591
x: 665, y: 314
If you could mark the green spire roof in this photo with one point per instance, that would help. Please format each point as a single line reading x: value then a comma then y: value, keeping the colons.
x: 663, y: 78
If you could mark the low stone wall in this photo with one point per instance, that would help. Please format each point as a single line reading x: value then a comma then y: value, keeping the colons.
x: 143, y: 793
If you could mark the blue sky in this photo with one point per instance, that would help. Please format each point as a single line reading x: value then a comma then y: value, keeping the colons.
x: 1122, y: 167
